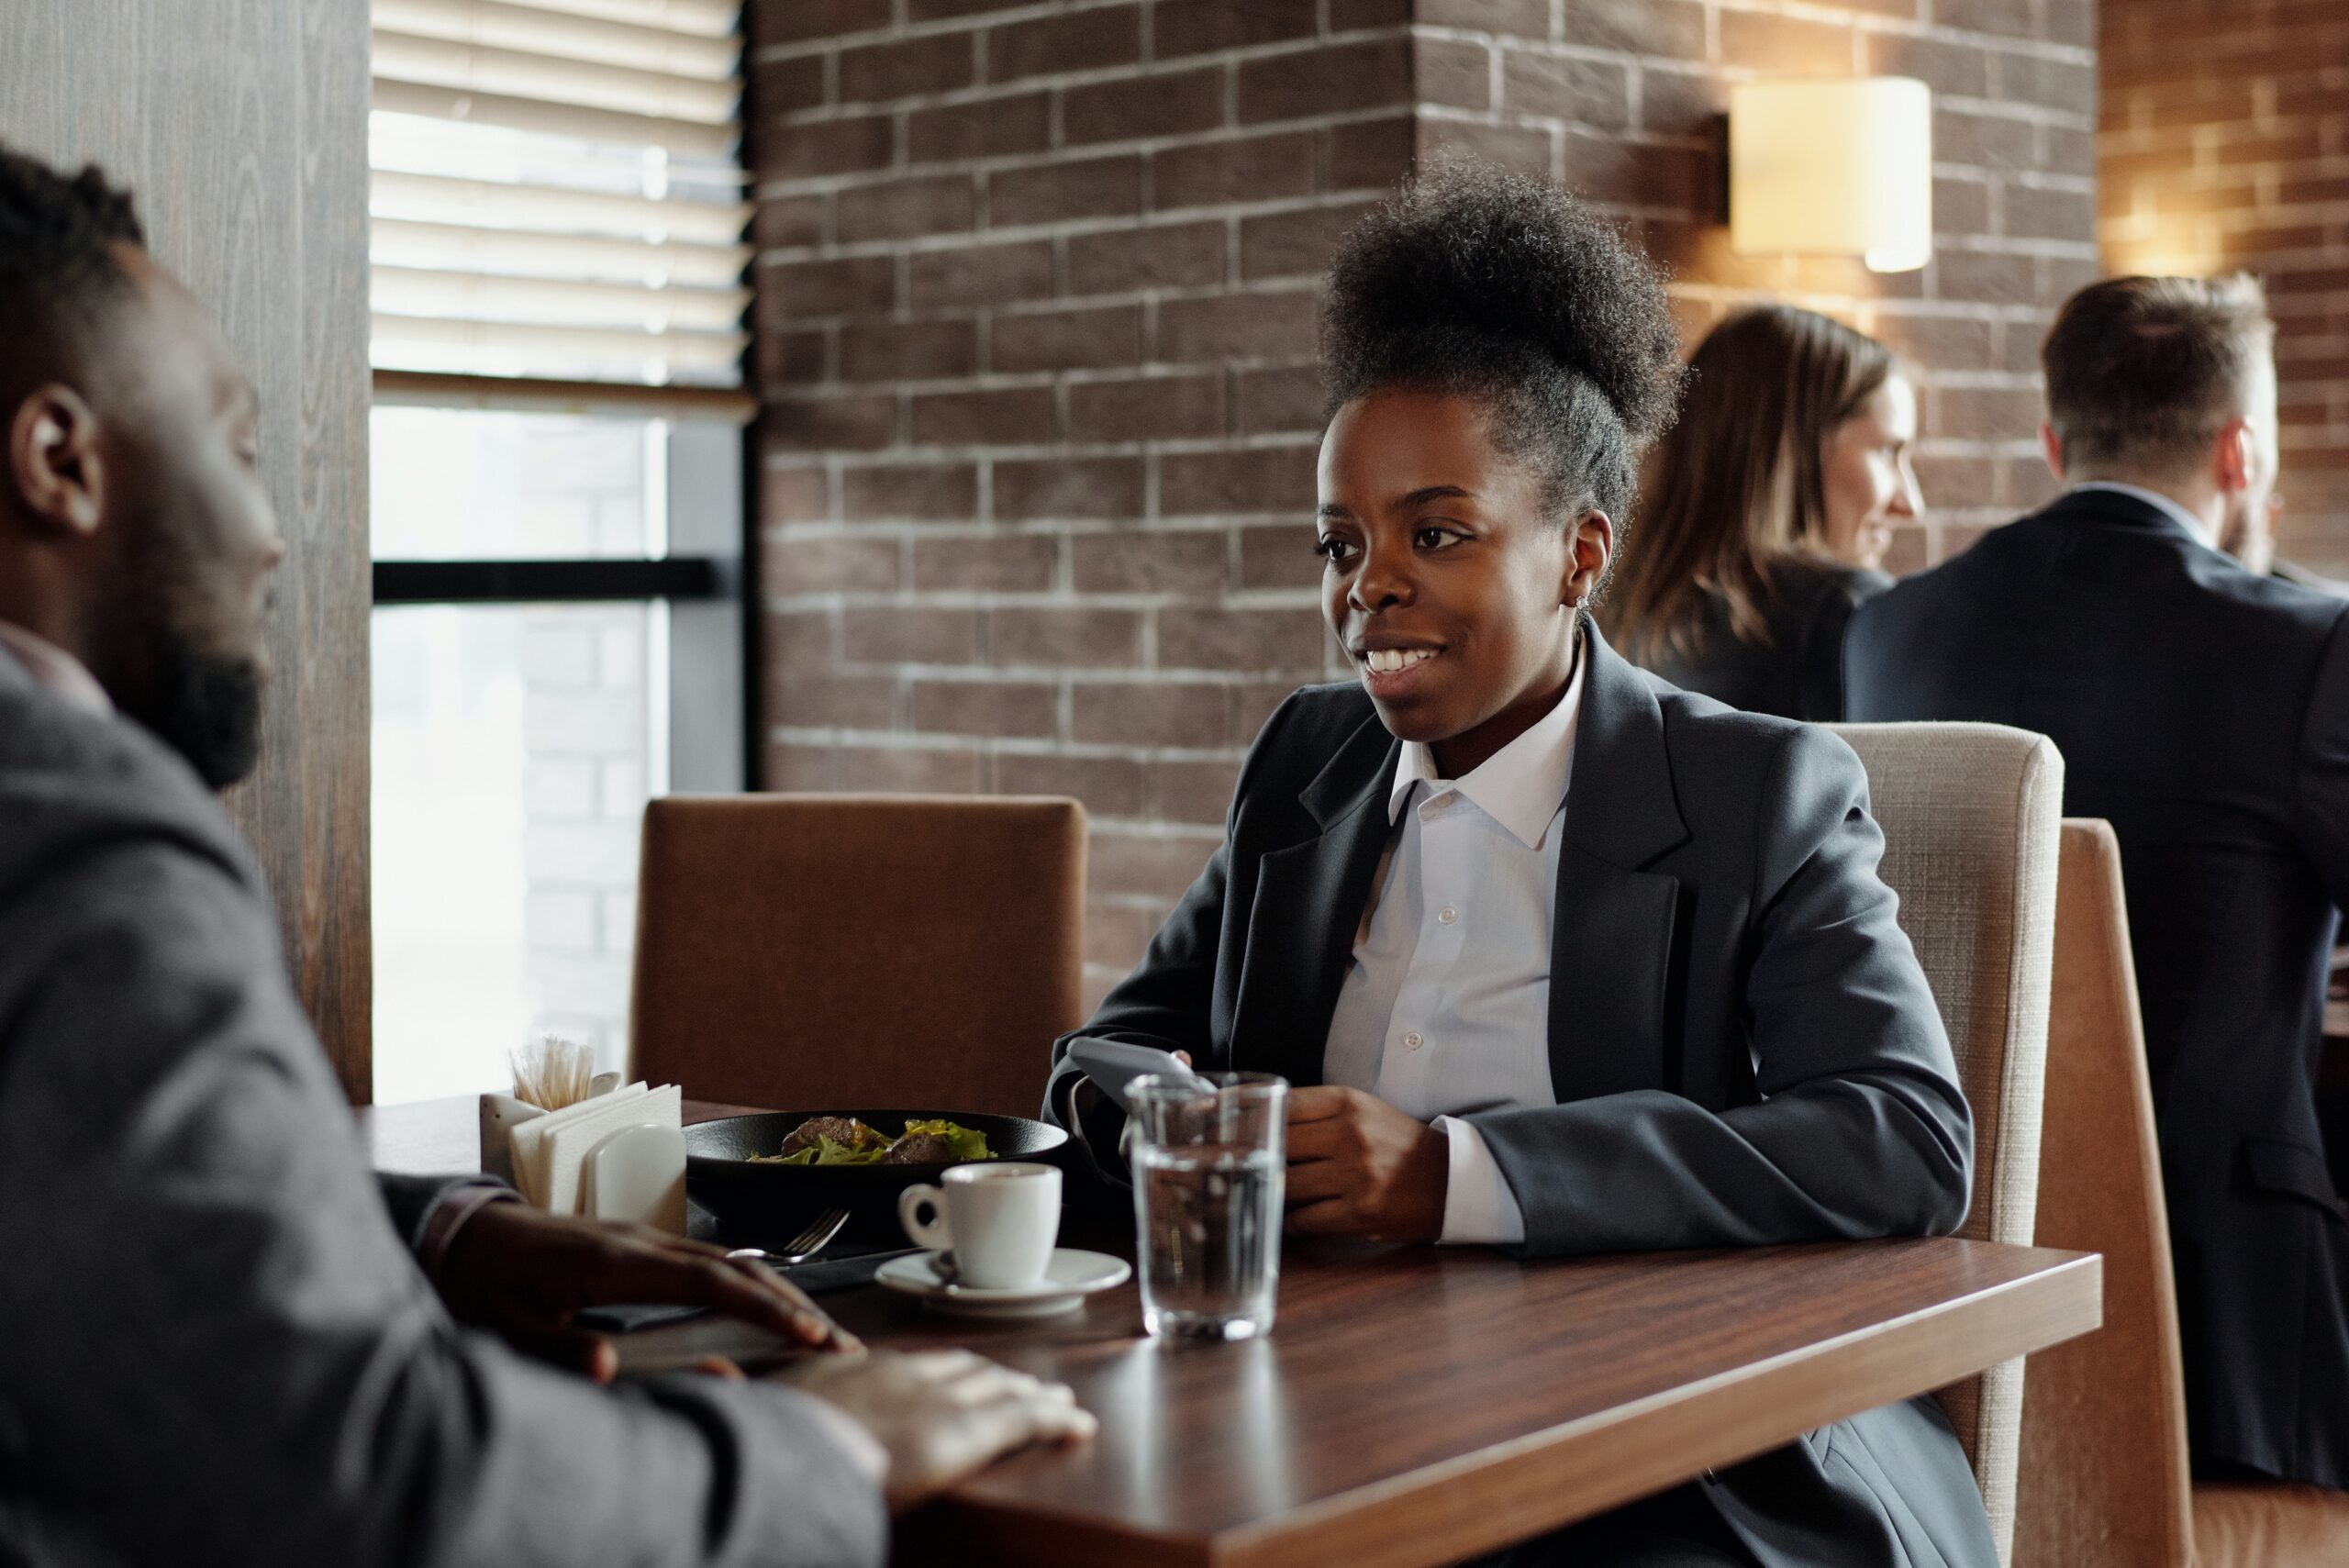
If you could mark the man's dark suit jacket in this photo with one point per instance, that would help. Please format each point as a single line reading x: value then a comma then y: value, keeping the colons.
x: 2205, y: 713
x: 1741, y: 1044
x: 218, y: 1347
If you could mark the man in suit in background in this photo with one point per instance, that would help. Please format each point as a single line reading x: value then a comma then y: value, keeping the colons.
x: 224, y: 1342
x: 2203, y: 709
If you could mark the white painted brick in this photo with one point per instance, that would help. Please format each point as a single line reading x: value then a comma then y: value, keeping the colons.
x: 592, y: 987
x: 557, y: 655
x: 560, y: 920
x: 600, y: 854
x: 619, y: 920
x: 594, y: 723
x: 559, y: 788
x: 620, y: 658
x: 623, y: 796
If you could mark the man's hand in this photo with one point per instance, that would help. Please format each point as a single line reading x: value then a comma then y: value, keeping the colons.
x: 1359, y: 1167
x: 523, y: 1272
x: 940, y: 1415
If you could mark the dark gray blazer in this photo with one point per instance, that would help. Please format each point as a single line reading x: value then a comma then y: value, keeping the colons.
x: 218, y: 1347
x: 2204, y: 711
x: 1743, y: 1046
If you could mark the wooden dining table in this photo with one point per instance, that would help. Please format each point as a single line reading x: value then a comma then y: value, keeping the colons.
x: 1414, y: 1405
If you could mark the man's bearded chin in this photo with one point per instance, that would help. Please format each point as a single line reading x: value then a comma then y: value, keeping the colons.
x: 207, y: 708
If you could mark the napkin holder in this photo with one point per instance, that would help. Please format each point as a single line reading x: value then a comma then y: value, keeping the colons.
x: 638, y: 1174
x: 616, y: 1155
x: 501, y: 1113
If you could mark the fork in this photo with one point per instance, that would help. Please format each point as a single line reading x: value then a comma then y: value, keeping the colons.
x: 802, y: 1247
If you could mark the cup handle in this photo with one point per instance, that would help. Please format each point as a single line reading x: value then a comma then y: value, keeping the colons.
x: 931, y: 1233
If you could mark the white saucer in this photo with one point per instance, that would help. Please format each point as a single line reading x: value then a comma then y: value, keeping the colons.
x: 1069, y: 1278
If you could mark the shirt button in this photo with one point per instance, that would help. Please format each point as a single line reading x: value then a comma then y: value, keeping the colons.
x: 1412, y: 1041
x: 1447, y: 915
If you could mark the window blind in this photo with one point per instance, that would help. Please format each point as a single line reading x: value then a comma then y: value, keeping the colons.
x: 557, y: 191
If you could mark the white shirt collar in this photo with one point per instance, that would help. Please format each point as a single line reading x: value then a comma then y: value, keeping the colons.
x: 2185, y: 519
x: 54, y: 670
x: 1520, y: 785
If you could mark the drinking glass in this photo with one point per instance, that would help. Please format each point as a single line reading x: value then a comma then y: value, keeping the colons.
x: 1210, y: 1168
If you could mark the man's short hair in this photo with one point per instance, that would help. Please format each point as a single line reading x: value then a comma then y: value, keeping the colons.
x: 57, y: 267
x: 2142, y: 373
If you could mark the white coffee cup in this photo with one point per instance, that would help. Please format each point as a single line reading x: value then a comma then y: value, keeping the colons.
x: 998, y: 1220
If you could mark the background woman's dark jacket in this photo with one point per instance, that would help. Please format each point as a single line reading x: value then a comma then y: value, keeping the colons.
x: 1798, y: 672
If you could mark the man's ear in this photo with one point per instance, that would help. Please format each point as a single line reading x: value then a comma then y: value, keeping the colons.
x: 54, y: 465
x: 1590, y: 544
x: 2053, y: 445
x: 2234, y: 455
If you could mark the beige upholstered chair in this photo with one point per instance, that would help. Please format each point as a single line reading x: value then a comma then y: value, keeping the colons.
x: 805, y: 951
x: 1969, y: 813
x: 2105, y: 1479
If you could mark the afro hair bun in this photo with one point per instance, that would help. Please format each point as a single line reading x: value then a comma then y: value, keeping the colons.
x: 1470, y: 272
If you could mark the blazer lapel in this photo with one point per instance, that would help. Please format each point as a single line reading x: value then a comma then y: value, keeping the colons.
x: 1611, y: 932
x: 1309, y: 897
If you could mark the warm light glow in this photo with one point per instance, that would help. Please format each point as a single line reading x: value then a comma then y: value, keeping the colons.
x: 1840, y: 166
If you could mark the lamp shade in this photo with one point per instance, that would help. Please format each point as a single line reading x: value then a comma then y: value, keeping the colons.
x: 1840, y: 166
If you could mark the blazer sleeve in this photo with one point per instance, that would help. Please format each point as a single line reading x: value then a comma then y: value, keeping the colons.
x: 2324, y: 782
x: 1164, y: 1004
x: 1168, y: 1001
x: 1860, y: 1130
x: 411, y: 1201
x: 219, y: 1349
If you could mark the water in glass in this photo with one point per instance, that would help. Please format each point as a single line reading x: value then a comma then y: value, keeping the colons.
x: 1208, y: 1176
x: 1210, y: 1225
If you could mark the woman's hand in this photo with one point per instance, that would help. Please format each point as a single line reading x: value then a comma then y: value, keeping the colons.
x: 523, y: 1273
x: 1359, y: 1167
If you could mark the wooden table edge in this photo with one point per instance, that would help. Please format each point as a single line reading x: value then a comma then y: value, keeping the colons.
x: 1479, y: 1502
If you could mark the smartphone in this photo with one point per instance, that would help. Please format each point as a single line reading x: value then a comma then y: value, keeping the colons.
x: 1112, y: 1064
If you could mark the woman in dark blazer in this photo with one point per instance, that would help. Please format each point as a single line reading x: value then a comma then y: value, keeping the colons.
x: 1555, y: 955
x: 1770, y: 505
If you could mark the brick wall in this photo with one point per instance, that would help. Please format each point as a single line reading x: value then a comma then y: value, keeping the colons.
x: 2232, y: 152
x: 1036, y: 289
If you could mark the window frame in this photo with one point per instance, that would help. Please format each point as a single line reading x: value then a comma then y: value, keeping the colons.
x: 707, y: 586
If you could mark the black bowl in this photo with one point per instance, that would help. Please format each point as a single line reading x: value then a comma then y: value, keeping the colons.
x: 768, y: 1202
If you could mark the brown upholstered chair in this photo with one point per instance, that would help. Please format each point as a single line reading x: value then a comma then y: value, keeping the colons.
x: 2104, y: 1478
x: 2104, y: 1472
x: 804, y: 952
x: 1969, y: 813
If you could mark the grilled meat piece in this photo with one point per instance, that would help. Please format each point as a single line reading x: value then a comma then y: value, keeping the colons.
x: 845, y: 1130
x: 919, y: 1149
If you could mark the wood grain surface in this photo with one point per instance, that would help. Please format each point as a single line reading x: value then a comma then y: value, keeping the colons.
x: 241, y: 126
x: 1416, y: 1405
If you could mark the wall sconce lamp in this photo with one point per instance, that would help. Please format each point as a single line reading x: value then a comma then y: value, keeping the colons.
x: 1840, y: 166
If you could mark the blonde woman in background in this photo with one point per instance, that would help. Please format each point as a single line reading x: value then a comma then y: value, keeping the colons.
x: 1767, y: 511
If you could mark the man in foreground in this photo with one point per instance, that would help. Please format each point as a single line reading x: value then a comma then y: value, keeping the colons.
x: 222, y: 1346
x: 2204, y: 710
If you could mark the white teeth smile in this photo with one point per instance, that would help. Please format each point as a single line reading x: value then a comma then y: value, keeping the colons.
x: 1387, y: 660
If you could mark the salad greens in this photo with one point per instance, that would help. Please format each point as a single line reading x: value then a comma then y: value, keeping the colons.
x: 870, y: 1146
